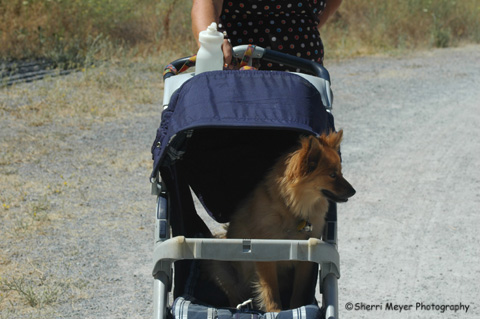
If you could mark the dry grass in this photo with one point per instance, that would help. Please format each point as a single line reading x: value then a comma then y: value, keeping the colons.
x: 112, y: 89
x: 362, y: 27
x: 30, y: 290
x: 75, y: 31
x: 29, y: 212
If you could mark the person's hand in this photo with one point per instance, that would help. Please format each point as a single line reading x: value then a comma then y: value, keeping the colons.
x: 227, y: 53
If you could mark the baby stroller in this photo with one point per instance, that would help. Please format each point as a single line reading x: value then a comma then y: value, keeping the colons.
x: 220, y: 132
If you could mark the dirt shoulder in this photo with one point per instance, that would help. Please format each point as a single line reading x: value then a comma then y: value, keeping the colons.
x: 76, y: 214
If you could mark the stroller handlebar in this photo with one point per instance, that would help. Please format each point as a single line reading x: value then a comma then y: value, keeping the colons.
x: 286, y: 59
x: 304, y: 65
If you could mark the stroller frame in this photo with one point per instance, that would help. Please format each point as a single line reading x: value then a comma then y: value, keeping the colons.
x: 168, y: 249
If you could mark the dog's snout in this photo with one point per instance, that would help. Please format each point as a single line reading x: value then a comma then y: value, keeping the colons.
x: 349, y: 191
x: 352, y: 192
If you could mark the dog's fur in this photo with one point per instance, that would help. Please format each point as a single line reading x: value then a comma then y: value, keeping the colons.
x: 294, y: 193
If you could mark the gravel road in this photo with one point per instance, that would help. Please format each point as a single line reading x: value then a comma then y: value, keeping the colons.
x: 411, y: 150
x: 410, y: 234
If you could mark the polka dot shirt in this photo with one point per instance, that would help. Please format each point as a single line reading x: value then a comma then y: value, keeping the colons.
x: 286, y: 26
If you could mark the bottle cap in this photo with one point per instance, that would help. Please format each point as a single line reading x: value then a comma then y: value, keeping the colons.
x: 211, y: 32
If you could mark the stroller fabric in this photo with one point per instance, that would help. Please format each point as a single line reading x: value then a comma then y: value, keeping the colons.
x: 191, y: 309
x: 238, y: 99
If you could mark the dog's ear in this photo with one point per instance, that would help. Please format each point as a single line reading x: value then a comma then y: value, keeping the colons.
x: 334, y: 139
x: 305, y: 159
x: 313, y: 151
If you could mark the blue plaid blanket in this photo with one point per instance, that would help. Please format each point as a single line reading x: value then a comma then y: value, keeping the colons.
x: 186, y: 308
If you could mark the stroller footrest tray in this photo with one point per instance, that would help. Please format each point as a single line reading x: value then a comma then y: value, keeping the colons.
x: 180, y: 248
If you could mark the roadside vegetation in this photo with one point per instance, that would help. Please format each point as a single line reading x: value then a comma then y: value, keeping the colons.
x: 79, y: 30
x: 376, y: 26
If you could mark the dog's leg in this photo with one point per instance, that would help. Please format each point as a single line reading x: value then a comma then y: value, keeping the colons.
x: 230, y: 278
x: 269, y: 291
x: 301, y: 284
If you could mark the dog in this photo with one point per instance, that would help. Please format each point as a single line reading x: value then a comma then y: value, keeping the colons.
x: 291, y: 202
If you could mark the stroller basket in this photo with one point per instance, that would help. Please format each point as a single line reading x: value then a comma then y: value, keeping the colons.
x: 220, y: 133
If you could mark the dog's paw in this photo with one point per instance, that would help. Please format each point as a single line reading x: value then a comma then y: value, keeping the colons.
x: 272, y: 307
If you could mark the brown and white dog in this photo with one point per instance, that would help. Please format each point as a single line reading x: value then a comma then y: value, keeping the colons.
x: 290, y: 203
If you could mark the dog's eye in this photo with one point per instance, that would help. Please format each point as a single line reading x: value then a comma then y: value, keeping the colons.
x: 333, y: 175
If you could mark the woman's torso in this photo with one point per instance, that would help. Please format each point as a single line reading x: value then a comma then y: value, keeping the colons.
x: 286, y: 26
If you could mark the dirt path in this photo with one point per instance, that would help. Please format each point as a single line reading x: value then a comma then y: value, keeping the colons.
x: 76, y: 219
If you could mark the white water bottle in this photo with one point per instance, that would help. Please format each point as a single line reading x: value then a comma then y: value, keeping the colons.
x: 210, y: 54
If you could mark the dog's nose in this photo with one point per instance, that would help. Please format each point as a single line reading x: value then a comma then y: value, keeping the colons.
x: 352, y: 192
x: 349, y: 190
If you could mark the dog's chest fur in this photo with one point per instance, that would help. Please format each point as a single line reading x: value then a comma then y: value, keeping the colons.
x: 267, y: 216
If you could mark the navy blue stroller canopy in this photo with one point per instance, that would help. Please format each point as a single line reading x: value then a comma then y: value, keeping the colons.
x: 224, y: 129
